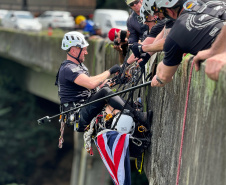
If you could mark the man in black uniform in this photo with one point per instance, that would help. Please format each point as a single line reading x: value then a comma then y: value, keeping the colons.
x: 154, y: 30
x: 156, y: 39
x: 191, y: 33
x: 75, y: 84
x: 134, y: 24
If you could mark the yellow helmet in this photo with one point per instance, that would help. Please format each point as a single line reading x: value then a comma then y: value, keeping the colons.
x: 79, y: 19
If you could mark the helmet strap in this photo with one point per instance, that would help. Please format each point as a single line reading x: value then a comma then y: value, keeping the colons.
x: 76, y: 58
x: 180, y: 5
x: 167, y: 16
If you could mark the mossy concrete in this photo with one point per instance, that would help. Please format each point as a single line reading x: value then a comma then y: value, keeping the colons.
x: 203, y: 158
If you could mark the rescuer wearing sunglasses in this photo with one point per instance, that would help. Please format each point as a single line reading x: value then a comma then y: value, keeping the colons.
x: 134, y: 25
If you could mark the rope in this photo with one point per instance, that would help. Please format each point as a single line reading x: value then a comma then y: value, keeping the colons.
x: 184, y: 121
x: 61, y: 139
x: 88, y: 136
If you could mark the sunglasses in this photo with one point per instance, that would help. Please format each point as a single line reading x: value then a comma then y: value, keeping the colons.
x: 133, y: 3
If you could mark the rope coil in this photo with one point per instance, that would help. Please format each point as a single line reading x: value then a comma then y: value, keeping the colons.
x: 61, y: 139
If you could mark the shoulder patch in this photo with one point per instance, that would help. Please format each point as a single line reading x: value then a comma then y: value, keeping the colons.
x: 75, y: 69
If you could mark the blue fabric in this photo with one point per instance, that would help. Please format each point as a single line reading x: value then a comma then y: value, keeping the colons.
x: 89, y: 27
x: 114, y: 151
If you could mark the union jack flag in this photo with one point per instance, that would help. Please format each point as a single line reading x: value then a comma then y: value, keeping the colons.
x: 114, y: 151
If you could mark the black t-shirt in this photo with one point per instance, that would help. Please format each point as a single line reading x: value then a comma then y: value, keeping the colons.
x: 191, y: 33
x: 68, y: 90
x: 155, y: 30
x: 169, y: 23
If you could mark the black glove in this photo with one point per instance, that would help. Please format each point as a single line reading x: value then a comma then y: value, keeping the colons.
x: 114, y: 69
x: 145, y: 58
x: 137, y: 49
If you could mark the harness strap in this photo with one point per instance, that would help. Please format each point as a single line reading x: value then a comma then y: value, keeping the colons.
x: 65, y: 119
x: 69, y: 105
x: 76, y: 58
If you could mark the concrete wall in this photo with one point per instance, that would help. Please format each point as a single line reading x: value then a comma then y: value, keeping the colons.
x: 204, y: 147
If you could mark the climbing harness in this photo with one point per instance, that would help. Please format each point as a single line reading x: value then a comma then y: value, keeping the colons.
x: 70, y: 119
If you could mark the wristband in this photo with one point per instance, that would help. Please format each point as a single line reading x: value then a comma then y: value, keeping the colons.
x: 159, y: 81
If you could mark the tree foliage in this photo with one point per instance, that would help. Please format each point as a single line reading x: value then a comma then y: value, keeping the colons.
x: 22, y: 141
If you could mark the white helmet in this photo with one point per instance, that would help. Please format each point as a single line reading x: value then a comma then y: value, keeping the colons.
x: 73, y: 38
x: 125, y: 124
x: 142, y: 14
x: 148, y: 6
x: 166, y: 3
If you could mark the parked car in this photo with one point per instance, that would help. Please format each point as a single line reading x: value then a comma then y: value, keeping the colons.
x: 2, y: 14
x: 57, y: 19
x: 22, y: 20
x: 109, y: 18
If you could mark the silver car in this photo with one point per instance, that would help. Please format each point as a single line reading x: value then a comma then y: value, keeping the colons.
x: 21, y: 20
x: 57, y: 19
x: 2, y: 14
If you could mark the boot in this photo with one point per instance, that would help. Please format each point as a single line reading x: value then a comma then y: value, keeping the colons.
x: 143, y: 118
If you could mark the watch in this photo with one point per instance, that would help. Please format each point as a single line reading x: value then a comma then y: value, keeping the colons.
x: 140, y: 49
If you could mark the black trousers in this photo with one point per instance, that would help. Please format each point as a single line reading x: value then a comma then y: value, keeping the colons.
x: 87, y: 113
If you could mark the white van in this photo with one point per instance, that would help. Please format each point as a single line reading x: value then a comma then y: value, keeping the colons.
x: 110, y: 18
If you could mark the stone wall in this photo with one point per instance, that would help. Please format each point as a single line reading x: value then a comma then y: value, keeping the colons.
x: 204, y: 146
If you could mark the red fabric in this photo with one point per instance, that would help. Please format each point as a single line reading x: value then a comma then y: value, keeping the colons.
x: 100, y: 140
x: 114, y: 151
x: 111, y: 33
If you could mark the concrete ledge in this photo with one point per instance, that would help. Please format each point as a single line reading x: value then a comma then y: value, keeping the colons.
x: 204, y: 147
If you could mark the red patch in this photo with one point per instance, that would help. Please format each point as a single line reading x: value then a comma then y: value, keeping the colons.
x: 167, y: 3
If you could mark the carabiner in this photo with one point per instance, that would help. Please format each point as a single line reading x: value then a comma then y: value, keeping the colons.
x: 136, y: 141
x: 142, y: 128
